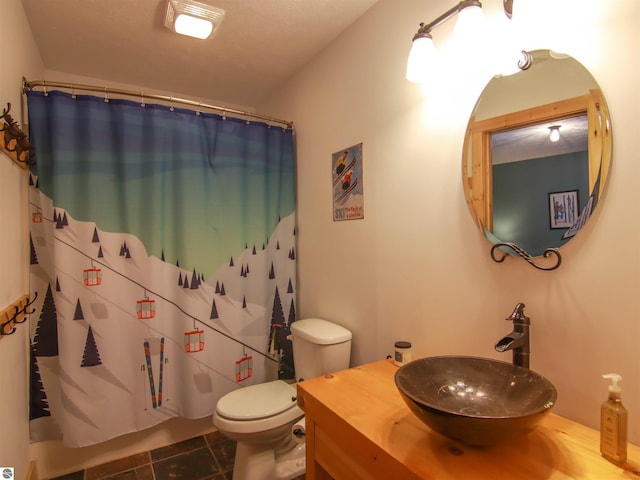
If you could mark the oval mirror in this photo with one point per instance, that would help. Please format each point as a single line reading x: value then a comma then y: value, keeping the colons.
x: 536, y: 155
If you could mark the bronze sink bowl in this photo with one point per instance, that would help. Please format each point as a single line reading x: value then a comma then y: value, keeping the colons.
x: 476, y: 401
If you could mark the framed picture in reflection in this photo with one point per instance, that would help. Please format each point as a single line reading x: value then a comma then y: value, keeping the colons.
x: 563, y: 209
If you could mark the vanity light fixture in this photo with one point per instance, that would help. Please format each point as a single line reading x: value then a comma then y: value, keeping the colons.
x: 554, y: 133
x: 508, y: 8
x: 195, y: 19
x: 423, y: 50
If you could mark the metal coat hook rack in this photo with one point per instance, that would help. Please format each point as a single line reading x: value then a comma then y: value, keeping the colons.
x: 16, y: 313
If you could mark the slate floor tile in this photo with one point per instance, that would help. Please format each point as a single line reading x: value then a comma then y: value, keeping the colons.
x: 178, y: 448
x: 194, y: 465
x: 117, y: 466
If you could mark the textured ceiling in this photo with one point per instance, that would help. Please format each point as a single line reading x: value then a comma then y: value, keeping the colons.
x: 259, y: 45
x: 532, y: 142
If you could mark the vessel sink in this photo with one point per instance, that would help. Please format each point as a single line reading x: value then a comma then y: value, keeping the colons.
x: 477, y: 401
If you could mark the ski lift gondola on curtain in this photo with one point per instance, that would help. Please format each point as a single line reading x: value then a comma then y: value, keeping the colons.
x: 244, y: 366
x: 146, y: 308
x: 92, y: 276
x: 194, y: 340
x: 37, y: 215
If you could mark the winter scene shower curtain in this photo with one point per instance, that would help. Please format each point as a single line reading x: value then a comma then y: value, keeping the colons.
x: 163, y: 260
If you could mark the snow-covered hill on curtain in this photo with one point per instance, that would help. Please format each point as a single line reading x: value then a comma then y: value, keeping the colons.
x: 129, y: 320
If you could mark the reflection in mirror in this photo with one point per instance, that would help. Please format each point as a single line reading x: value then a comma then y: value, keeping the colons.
x: 527, y: 164
x: 536, y: 155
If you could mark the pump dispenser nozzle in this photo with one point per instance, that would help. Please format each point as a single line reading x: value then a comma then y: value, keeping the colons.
x: 615, y: 378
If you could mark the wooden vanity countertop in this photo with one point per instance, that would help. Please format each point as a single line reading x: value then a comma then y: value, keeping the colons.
x: 358, y: 427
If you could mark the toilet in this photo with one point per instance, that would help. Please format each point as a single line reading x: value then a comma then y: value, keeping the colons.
x: 261, y: 418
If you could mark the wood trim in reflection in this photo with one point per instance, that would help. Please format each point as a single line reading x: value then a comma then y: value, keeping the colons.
x: 543, y: 113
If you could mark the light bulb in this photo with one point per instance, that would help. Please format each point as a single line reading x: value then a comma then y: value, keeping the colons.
x: 193, y: 26
x: 470, y: 43
x: 469, y: 25
x: 554, y: 133
x: 420, y: 58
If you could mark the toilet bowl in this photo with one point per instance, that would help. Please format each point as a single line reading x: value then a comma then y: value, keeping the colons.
x: 265, y: 411
x: 261, y: 417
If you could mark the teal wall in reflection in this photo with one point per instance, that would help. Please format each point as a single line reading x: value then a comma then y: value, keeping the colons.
x: 521, y: 191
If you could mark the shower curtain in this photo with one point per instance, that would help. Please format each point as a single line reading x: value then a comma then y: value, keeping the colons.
x: 162, y: 261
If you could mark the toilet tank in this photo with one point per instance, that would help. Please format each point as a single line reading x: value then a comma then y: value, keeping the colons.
x: 319, y: 347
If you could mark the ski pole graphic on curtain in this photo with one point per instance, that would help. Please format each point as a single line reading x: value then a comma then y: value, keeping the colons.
x: 164, y: 252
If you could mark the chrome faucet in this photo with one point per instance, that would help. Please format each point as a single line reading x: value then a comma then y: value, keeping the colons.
x: 518, y: 340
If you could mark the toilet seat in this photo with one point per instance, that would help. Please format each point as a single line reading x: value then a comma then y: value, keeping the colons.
x: 257, y: 401
x: 258, y: 407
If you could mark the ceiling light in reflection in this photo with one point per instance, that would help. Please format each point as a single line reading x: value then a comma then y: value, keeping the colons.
x: 554, y: 133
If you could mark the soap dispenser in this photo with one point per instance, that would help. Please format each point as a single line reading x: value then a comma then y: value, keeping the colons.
x: 613, y: 423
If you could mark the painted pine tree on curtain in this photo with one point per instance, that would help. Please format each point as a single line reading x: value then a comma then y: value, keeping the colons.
x: 164, y: 250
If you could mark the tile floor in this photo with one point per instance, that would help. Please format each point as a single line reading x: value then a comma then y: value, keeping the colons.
x: 207, y: 457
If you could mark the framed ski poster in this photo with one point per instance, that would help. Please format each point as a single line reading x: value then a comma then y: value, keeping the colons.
x: 348, y: 199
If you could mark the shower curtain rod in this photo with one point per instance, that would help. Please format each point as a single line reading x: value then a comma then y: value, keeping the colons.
x: 30, y: 85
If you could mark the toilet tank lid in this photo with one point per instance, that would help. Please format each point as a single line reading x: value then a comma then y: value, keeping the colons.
x: 320, y: 332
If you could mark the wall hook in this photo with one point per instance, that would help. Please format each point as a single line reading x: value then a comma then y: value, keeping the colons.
x: 5, y: 111
x: 23, y: 311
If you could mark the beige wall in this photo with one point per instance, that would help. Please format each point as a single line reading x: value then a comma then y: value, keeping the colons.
x: 19, y: 57
x: 416, y: 268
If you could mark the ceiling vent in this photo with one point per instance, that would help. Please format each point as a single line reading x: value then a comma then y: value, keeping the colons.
x: 191, y: 18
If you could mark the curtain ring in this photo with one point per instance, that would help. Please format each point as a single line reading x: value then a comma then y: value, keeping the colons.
x: 44, y: 84
x: 198, y: 110
x: 73, y: 92
x: 142, y: 104
x: 171, y: 104
x: 224, y: 114
x: 106, y: 98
